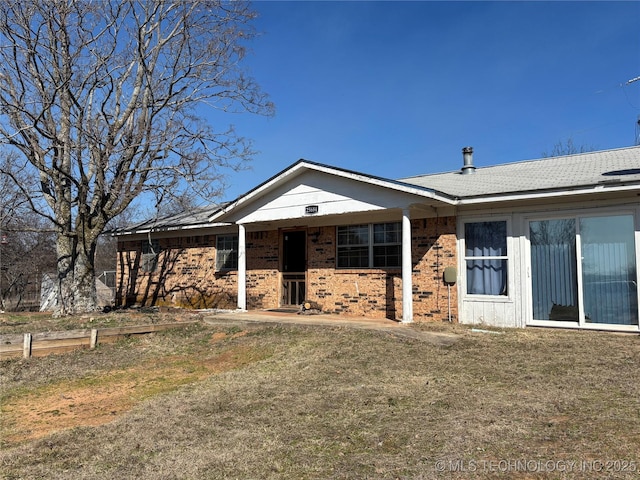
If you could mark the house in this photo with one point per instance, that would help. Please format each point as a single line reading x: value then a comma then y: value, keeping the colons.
x: 549, y: 242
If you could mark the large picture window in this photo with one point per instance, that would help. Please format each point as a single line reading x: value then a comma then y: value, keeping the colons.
x: 486, y: 257
x: 376, y: 245
x: 226, y: 252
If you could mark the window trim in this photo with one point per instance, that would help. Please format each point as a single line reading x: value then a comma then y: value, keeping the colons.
x: 463, y: 258
x: 370, y: 245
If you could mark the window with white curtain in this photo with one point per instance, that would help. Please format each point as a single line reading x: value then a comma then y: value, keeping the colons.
x: 486, y: 257
x: 583, y: 269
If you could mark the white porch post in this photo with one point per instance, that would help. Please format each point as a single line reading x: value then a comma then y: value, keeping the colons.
x: 242, y: 268
x: 407, y: 280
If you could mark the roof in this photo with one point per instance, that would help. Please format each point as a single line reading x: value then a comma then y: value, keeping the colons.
x: 617, y: 169
x: 303, y: 165
x: 585, y: 170
x: 196, y: 218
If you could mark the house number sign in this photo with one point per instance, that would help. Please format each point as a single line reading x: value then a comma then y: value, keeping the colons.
x: 311, y: 209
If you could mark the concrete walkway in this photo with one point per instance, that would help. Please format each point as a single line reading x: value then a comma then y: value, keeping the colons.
x: 295, y: 318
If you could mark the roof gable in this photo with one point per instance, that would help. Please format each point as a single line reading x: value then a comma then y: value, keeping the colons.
x: 334, y: 190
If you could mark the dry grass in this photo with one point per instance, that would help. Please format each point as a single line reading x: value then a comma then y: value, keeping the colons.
x: 29, y: 322
x: 326, y: 403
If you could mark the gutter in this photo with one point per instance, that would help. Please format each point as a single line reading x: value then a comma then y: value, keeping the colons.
x: 169, y: 229
x: 580, y: 190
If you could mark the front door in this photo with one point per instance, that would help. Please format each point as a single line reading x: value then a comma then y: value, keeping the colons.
x: 294, y: 267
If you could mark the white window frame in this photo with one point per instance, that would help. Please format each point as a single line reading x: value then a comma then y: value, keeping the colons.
x: 462, y: 262
x: 577, y: 214
x: 150, y: 251
x: 222, y: 254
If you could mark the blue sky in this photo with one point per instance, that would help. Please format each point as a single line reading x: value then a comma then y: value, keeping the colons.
x: 396, y: 89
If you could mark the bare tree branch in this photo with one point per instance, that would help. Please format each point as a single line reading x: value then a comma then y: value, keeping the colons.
x: 567, y: 148
x: 110, y: 100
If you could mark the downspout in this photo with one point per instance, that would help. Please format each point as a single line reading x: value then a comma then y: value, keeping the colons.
x: 407, y: 280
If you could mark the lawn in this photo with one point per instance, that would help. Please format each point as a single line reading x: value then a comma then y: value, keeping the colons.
x: 258, y: 401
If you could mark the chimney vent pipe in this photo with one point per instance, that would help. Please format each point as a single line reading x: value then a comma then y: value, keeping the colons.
x: 467, y: 157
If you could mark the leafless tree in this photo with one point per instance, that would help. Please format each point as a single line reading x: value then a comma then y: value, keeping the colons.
x: 106, y: 101
x: 26, y: 246
x: 567, y: 147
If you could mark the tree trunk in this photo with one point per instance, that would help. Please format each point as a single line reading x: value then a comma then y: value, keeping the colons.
x: 76, y: 278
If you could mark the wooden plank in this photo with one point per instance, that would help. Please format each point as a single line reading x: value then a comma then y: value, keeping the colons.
x: 16, y: 347
x: 26, y: 346
x: 11, y: 354
x: 40, y: 344
x: 63, y: 342
x: 62, y: 334
x: 11, y: 339
x: 136, y: 329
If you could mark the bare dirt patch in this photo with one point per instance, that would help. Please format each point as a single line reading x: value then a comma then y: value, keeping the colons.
x: 97, y: 400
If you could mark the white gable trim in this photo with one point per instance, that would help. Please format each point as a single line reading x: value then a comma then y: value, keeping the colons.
x: 304, y: 166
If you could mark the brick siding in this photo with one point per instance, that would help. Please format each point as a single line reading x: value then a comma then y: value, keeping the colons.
x: 185, y: 275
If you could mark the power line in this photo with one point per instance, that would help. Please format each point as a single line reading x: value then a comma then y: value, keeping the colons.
x: 629, y: 82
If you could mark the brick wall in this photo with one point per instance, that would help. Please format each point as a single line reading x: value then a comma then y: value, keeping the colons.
x: 434, y: 249
x: 186, y: 276
x: 377, y: 293
x: 263, y: 266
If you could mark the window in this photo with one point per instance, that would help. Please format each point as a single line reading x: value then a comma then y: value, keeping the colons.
x: 353, y: 246
x: 370, y: 245
x: 226, y: 252
x: 554, y: 269
x: 387, y: 245
x: 609, y: 277
x: 594, y: 256
x: 150, y: 251
x: 486, y: 257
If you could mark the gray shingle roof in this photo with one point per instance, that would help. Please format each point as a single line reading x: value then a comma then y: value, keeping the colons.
x: 608, y: 167
x: 193, y: 218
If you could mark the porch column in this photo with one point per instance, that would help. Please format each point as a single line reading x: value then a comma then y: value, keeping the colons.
x: 242, y: 268
x: 407, y: 280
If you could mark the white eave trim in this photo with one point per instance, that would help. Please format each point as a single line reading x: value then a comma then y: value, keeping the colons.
x: 145, y: 231
x: 604, y: 188
x: 297, y: 168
